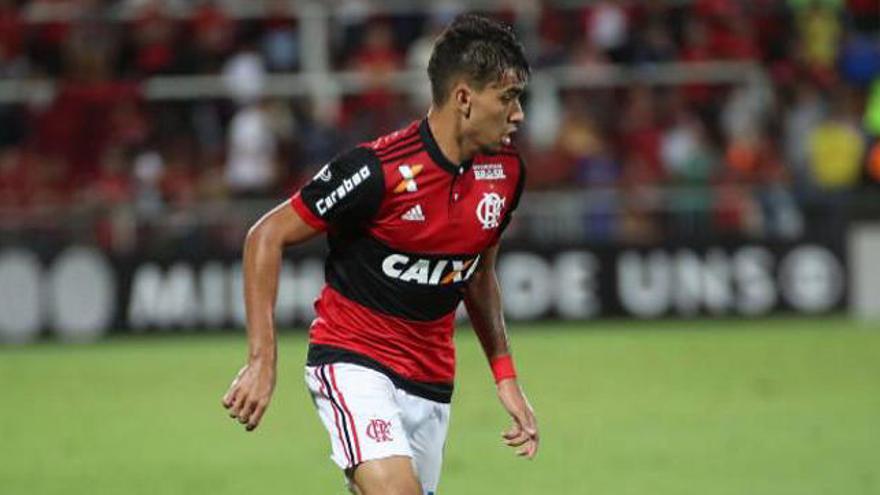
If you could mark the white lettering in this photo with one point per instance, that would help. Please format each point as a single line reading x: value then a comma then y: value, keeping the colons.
x: 326, y: 203
x: 489, y: 171
x: 83, y: 294
x: 752, y: 269
x: 717, y: 280
x: 391, y: 265
x: 163, y: 301
x: 236, y: 286
x: 643, y: 284
x: 428, y: 272
x: 20, y: 314
x: 688, y: 290
x: 418, y: 272
x: 457, y: 267
x: 527, y: 282
x: 576, y: 276
x: 811, y: 279
x: 472, y: 268
x: 213, y: 294
x: 145, y: 287
x: 438, y: 272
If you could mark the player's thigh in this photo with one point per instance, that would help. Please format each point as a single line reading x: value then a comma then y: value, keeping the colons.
x: 388, y: 476
x: 427, y: 423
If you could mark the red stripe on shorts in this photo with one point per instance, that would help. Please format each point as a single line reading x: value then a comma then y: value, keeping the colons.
x: 351, y: 419
x: 335, y: 417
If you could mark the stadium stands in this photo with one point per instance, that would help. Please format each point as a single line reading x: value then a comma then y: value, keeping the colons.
x: 658, y: 119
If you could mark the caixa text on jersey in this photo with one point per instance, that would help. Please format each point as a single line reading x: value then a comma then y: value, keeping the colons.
x: 429, y: 272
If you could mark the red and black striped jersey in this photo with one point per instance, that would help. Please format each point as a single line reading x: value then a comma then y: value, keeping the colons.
x: 406, y: 228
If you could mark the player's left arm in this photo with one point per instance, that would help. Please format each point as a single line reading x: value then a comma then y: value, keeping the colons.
x: 482, y: 299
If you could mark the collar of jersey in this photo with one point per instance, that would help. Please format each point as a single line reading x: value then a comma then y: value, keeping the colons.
x: 437, y: 155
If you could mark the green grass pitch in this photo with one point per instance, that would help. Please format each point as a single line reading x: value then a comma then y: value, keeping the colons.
x: 744, y: 407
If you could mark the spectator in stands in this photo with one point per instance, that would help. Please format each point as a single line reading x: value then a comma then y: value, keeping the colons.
x: 377, y: 58
x: 801, y: 116
x: 251, y: 167
x: 608, y: 28
x: 745, y: 113
x: 112, y: 185
x: 836, y: 148
x: 417, y: 57
x: 350, y: 19
x: 12, y: 180
x: 148, y: 167
x: 804, y: 45
x: 688, y: 161
x: 587, y: 55
x: 696, y: 49
x: 577, y: 141
x: 280, y: 40
x: 734, y: 211
x: 819, y: 32
x: 13, y: 62
x: 639, y: 135
x: 865, y: 15
x: 685, y: 150
x: 859, y: 59
x: 871, y: 119
x: 179, y: 179
x: 153, y: 39
x: 873, y: 163
x: 654, y: 45
x: 52, y: 187
x: 213, y: 39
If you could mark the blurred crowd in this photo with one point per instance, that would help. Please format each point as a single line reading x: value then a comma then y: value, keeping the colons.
x: 756, y: 154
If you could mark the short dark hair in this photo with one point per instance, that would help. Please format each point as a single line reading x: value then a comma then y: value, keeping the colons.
x: 476, y: 47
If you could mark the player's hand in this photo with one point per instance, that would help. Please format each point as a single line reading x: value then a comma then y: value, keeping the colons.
x: 250, y: 393
x: 523, y: 433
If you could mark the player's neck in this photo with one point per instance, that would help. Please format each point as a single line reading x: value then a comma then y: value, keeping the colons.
x: 446, y: 130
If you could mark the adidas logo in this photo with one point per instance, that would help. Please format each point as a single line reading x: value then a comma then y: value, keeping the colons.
x: 414, y: 214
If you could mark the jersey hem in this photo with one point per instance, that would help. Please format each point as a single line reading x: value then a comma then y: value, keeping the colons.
x: 320, y: 354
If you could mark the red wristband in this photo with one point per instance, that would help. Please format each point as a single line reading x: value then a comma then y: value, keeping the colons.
x: 502, y: 368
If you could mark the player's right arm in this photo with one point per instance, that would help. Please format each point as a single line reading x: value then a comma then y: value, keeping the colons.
x: 344, y: 194
x: 251, y: 390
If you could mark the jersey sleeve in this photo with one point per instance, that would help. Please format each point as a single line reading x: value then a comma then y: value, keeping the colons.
x: 520, y: 185
x: 346, y: 191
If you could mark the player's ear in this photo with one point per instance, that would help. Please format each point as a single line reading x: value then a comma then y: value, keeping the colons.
x: 462, y: 97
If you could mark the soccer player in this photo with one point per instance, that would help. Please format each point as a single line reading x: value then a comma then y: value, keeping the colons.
x: 413, y: 220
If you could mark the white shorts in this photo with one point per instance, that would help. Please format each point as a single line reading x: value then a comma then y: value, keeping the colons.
x: 369, y: 418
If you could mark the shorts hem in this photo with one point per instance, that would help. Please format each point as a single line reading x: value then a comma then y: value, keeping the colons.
x: 345, y: 465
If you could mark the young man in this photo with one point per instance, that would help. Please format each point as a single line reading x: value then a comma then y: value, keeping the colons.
x: 413, y: 221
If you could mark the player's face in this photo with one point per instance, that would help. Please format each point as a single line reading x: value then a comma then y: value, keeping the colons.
x: 496, y: 113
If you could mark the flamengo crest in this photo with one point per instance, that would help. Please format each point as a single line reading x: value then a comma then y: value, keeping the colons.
x: 379, y: 430
x: 489, y: 210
